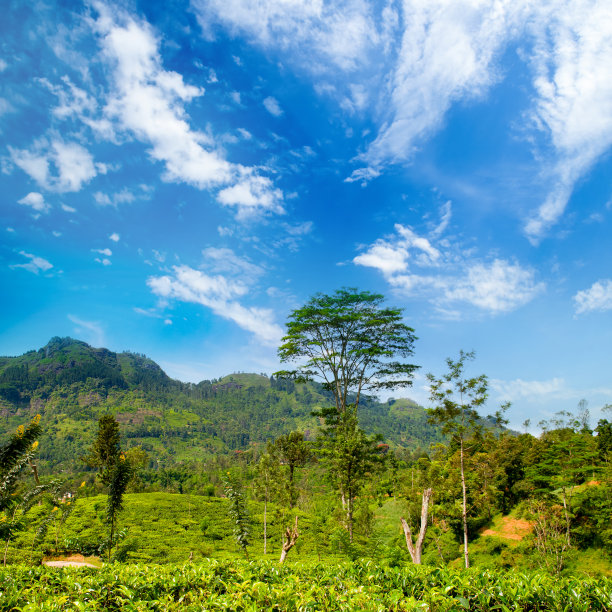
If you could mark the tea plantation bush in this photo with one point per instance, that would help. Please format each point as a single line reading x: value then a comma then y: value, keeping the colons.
x: 238, y: 585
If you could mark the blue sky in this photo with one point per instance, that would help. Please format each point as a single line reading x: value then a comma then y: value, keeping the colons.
x: 177, y: 177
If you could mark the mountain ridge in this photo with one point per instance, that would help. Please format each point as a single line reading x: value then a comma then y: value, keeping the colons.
x: 71, y: 384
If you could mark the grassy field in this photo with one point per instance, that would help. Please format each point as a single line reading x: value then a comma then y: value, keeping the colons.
x: 172, y: 528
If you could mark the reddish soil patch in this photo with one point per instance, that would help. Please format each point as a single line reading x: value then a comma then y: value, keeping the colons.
x: 510, y: 529
x: 68, y: 561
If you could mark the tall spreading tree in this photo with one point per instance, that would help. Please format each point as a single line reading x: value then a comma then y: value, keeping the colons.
x: 351, y: 343
x: 348, y: 340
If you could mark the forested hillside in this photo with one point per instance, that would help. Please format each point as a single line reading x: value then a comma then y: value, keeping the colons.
x: 70, y: 384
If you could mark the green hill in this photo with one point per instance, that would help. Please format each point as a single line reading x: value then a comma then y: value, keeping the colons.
x: 70, y: 384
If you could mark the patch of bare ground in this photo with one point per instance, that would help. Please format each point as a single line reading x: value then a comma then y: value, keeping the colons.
x: 510, y: 529
x: 69, y: 561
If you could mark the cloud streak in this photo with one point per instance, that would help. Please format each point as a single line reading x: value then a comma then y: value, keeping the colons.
x: 220, y: 295
x: 407, y: 63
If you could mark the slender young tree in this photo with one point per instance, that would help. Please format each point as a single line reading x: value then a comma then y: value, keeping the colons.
x: 105, y: 450
x: 266, y: 487
x: 456, y: 400
x: 114, y: 470
x: 292, y: 451
x: 119, y: 476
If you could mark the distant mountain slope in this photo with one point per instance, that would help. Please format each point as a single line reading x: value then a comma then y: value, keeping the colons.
x: 71, y: 384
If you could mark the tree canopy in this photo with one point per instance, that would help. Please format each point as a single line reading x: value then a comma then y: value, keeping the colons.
x: 350, y: 342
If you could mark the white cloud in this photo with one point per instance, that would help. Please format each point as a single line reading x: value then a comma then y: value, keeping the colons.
x: 223, y: 260
x: 36, y: 201
x: 67, y: 208
x: 125, y: 196
x: 3, y: 65
x: 149, y: 103
x: 147, y: 313
x: 536, y: 391
x: 299, y: 229
x: 497, y: 287
x: 407, y: 63
x: 114, y: 237
x: 529, y: 389
x: 90, y: 331
x: 316, y: 34
x: 252, y: 194
x: 446, y: 275
x: 35, y: 265
x: 597, y: 298
x: 272, y: 106
x: 220, y: 295
x: 573, y: 103
x: 5, y: 107
x: 56, y: 233
x: 11, y: 230
x: 387, y: 258
x: 106, y: 252
x: 56, y: 166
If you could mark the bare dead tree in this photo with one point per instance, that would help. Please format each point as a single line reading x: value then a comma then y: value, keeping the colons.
x: 289, y: 540
x: 415, y: 548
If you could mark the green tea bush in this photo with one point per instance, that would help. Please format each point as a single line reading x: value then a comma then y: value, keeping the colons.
x: 239, y: 585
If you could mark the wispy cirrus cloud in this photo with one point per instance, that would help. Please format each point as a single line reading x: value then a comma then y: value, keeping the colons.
x: 221, y: 284
x: 538, y: 391
x: 408, y: 63
x: 221, y: 296
x: 90, y: 331
x: 573, y: 101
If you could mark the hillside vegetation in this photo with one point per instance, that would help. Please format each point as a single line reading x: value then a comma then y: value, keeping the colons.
x: 70, y: 384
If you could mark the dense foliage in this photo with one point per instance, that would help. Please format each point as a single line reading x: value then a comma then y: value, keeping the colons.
x: 72, y: 384
x: 525, y: 502
x: 265, y: 586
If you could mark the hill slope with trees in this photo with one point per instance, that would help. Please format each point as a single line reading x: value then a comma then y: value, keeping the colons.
x: 71, y: 384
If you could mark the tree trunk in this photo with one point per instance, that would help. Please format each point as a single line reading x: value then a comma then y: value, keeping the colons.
x: 291, y: 536
x: 567, y: 519
x: 349, y: 517
x: 265, y: 526
x: 415, y: 549
x: 464, y: 512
